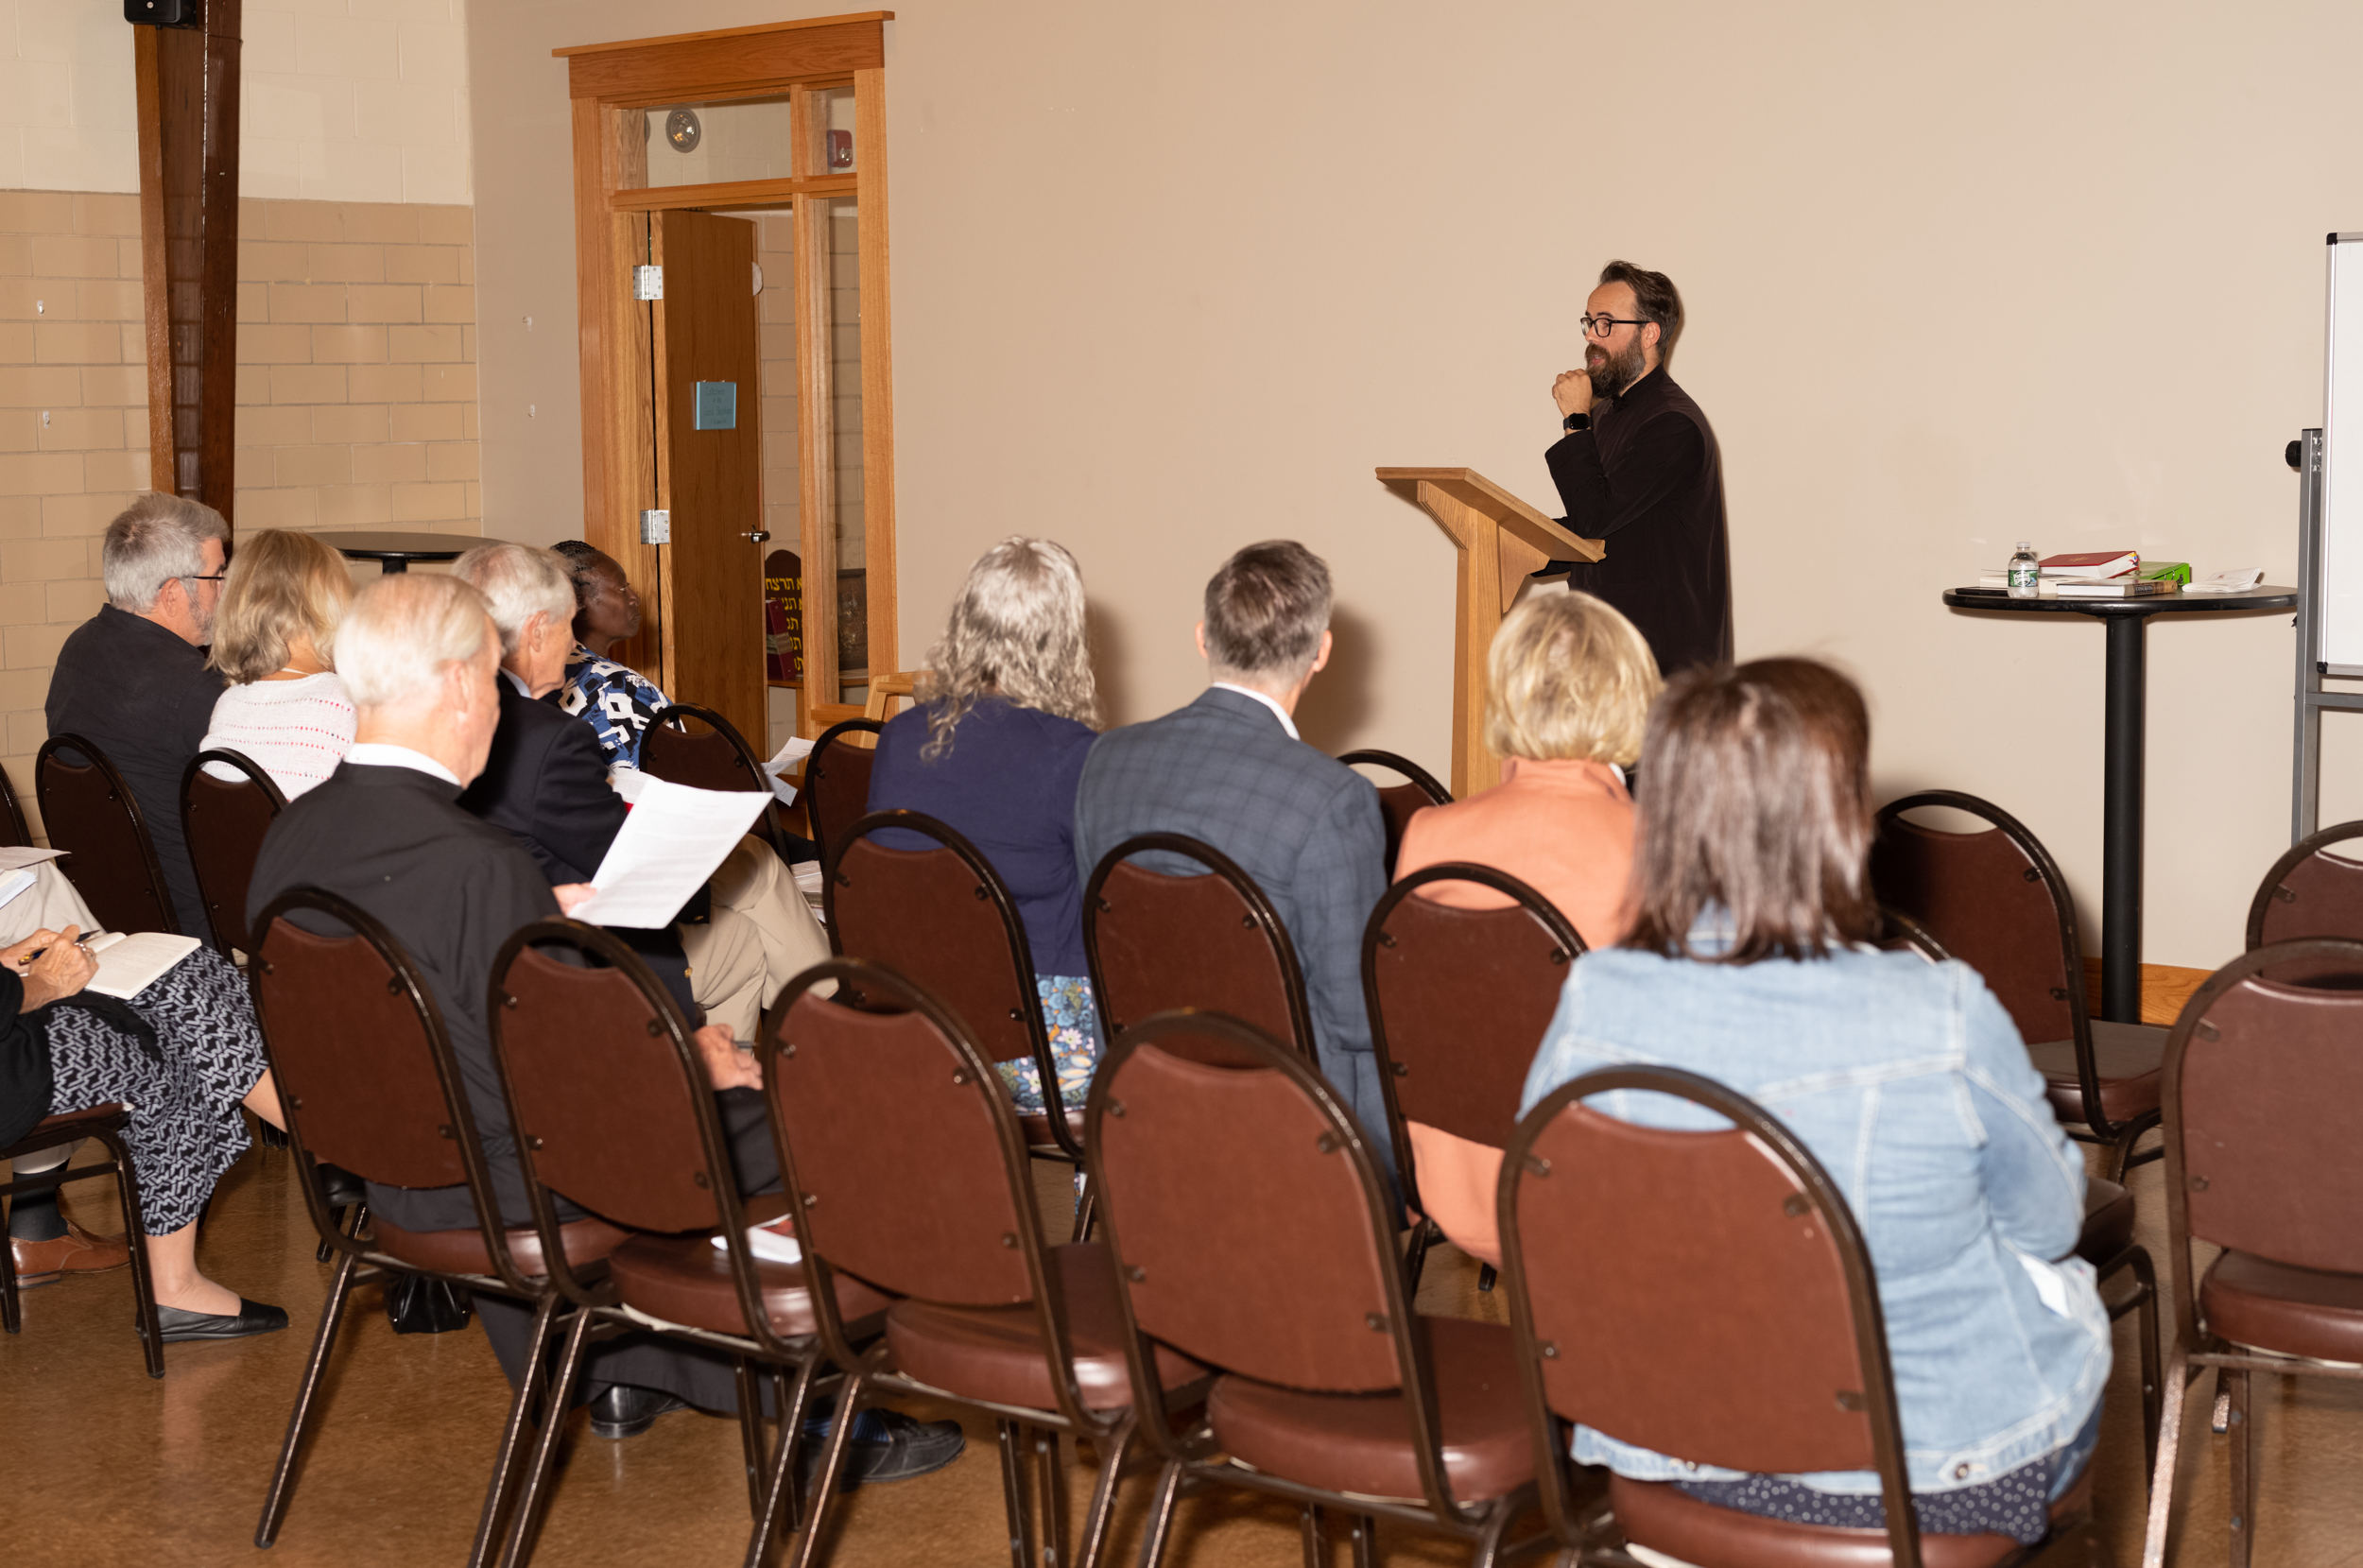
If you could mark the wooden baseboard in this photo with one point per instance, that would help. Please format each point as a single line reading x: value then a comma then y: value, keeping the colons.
x: 2164, y: 989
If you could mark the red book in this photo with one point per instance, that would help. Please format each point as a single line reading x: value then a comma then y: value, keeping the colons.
x: 2093, y: 563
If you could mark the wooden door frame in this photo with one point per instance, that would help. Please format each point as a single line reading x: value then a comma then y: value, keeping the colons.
x: 800, y: 59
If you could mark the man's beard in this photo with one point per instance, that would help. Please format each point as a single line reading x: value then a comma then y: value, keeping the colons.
x: 1612, y: 372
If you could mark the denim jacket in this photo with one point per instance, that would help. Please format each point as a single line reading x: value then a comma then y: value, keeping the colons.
x: 1910, y: 1083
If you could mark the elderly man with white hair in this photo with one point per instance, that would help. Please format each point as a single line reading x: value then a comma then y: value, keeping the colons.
x: 132, y: 681
x: 545, y: 781
x: 421, y: 660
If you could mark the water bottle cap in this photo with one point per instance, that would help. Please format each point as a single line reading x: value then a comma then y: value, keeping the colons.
x: 2024, y: 545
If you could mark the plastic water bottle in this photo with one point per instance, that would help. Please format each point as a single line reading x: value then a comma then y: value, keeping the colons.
x: 2026, y: 575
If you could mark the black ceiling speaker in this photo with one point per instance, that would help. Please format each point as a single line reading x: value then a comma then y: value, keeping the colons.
x: 165, y: 13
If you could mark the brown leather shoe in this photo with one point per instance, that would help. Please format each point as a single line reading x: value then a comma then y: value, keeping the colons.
x: 76, y: 1252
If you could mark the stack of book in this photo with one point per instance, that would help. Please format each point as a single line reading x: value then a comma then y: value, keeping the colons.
x: 2102, y: 574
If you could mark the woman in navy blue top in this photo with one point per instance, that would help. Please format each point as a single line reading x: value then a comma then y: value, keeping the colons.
x: 993, y: 746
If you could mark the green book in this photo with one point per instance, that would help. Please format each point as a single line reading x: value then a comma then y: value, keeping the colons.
x: 2165, y: 570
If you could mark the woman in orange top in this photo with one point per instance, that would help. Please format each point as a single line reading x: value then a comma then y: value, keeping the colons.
x: 1570, y: 683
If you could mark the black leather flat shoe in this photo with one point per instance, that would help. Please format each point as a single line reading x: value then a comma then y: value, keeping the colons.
x: 622, y: 1411
x: 344, y: 1188
x: 180, y: 1324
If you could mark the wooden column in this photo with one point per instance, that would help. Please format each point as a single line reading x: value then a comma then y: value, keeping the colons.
x: 815, y: 408
x: 187, y: 82
x: 877, y: 376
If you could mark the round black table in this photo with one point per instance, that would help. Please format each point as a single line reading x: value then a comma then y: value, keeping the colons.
x: 2122, y: 742
x: 394, y: 552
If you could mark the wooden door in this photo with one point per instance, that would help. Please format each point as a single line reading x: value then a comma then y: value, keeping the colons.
x: 712, y: 568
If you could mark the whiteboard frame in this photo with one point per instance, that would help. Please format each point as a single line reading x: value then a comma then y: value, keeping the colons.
x: 2338, y: 649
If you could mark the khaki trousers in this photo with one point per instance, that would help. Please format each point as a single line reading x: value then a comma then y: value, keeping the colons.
x: 762, y: 936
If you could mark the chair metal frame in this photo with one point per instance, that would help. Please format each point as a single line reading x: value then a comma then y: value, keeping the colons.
x: 817, y: 764
x: 2196, y: 1350
x: 1416, y: 777
x: 992, y: 891
x: 1260, y: 914
x: 361, y: 1264
x: 118, y: 791
x: 104, y: 1124
x: 254, y: 775
x: 599, y: 1312
x: 1192, y: 1460
x: 1580, y: 1525
x: 870, y: 1373
x: 1376, y: 936
x: 14, y: 834
x: 669, y: 717
x: 2295, y: 855
x: 2118, y: 1137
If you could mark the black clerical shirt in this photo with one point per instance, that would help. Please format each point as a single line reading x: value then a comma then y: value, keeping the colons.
x: 1648, y: 478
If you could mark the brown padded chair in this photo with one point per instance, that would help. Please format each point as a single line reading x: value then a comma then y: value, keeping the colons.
x: 90, y: 813
x: 2262, y: 1075
x: 103, y: 1123
x: 1333, y: 1394
x: 713, y: 757
x: 1458, y: 1002
x: 223, y: 821
x: 1997, y: 900
x: 943, y: 919
x: 613, y: 1111
x: 1708, y: 1295
x: 1156, y: 943
x: 914, y: 1180
x: 369, y: 1081
x: 1398, y: 802
x: 14, y: 834
x: 836, y: 779
x: 2310, y: 891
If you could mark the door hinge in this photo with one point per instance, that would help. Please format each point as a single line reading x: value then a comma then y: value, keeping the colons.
x: 647, y: 282
x: 656, y: 528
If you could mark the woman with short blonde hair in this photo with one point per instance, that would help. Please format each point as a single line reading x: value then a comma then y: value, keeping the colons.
x: 275, y: 638
x: 1570, y: 682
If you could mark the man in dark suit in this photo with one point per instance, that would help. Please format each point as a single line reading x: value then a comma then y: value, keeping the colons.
x: 1229, y: 769
x: 132, y: 678
x: 420, y: 658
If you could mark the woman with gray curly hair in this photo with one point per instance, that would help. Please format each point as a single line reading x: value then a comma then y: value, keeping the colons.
x: 994, y: 745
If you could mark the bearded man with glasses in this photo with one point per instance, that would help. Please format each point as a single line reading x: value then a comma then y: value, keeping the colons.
x: 1638, y: 467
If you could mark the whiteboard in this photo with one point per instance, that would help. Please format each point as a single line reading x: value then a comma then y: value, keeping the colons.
x: 2341, y: 587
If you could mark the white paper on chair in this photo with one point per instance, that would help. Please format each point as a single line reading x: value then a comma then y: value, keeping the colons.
x: 796, y: 750
x: 674, y: 839
x: 15, y: 882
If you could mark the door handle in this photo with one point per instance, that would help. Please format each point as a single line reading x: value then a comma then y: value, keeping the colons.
x: 757, y: 535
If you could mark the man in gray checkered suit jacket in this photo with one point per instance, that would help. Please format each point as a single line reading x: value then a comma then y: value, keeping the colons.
x: 1229, y: 769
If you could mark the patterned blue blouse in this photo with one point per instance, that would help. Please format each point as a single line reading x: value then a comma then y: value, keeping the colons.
x: 617, y: 700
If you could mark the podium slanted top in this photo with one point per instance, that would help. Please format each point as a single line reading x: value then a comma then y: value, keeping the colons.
x: 1512, y: 516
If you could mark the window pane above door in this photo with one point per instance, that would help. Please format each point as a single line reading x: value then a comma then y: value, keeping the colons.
x: 710, y: 144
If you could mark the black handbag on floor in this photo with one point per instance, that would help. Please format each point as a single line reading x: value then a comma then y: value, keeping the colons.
x: 416, y: 1304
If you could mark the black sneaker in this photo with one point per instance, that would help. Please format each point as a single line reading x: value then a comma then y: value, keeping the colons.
x: 621, y: 1410
x: 887, y: 1446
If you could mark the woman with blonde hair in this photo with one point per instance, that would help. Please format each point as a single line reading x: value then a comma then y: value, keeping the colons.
x: 274, y: 639
x: 1569, y: 684
x: 993, y: 746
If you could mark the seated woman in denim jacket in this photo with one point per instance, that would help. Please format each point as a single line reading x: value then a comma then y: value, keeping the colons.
x: 993, y: 746
x: 1747, y: 962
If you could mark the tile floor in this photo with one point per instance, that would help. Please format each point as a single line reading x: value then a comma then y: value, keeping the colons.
x: 104, y: 1467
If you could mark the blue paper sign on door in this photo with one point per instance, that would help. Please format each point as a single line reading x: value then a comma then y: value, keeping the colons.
x: 717, y: 405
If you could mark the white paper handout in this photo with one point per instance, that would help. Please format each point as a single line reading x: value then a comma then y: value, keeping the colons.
x: 673, y: 840
x: 2238, y: 580
x: 796, y: 750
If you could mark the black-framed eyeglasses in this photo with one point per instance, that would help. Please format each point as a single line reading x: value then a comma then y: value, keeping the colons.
x: 1600, y: 326
x: 205, y: 577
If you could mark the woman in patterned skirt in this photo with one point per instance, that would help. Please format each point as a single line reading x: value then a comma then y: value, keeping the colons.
x: 183, y: 1054
x: 994, y: 745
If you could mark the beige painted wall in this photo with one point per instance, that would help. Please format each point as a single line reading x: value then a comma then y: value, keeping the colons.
x: 1167, y: 280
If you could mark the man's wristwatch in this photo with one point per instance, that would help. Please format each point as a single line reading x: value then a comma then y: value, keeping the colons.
x: 1573, y: 422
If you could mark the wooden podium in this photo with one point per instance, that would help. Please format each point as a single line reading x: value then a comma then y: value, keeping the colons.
x: 1501, y: 540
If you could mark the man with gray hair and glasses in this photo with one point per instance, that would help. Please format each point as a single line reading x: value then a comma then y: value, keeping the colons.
x: 1230, y: 770
x: 132, y: 681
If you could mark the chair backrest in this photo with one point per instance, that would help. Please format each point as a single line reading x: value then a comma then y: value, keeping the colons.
x: 364, y: 1065
x: 2310, y: 891
x: 1459, y: 1001
x: 1197, y: 1125
x: 714, y: 756
x: 1996, y: 901
x: 904, y: 1149
x: 2263, y: 1072
x: 836, y: 779
x: 941, y: 917
x: 14, y: 834
x: 1212, y: 941
x: 1704, y: 1294
x: 223, y: 821
x: 1397, y: 802
x: 90, y: 813
x: 886, y: 690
